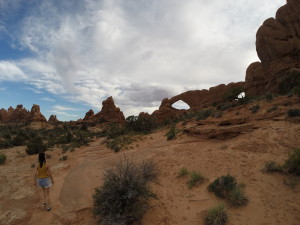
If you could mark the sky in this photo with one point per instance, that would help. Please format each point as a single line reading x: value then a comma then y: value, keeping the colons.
x: 69, y: 55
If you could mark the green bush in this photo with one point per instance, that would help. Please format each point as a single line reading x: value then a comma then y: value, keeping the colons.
x: 35, y: 146
x: 269, y: 97
x: 237, y: 196
x: 292, y: 164
x: 294, y: 112
x: 289, y: 82
x: 255, y: 108
x: 183, y: 172
x: 123, y: 198
x: 2, y: 158
x: 204, y: 114
x: 171, y: 133
x: 272, y: 166
x: 222, y: 186
x: 141, y: 124
x: 195, y: 179
x: 118, y: 143
x: 216, y: 216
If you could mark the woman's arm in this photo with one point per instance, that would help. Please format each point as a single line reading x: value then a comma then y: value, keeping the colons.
x: 35, y: 175
x: 50, y: 174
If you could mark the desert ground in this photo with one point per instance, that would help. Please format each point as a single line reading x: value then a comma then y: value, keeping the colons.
x: 273, y: 200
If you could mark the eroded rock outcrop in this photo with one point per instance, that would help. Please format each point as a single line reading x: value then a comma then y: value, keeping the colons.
x: 109, y: 113
x: 196, y: 100
x: 53, y: 120
x: 278, y: 48
x: 22, y: 115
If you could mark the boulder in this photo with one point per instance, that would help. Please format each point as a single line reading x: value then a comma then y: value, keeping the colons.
x: 278, y: 48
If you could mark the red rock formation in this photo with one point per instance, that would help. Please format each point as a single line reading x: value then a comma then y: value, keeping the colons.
x: 89, y: 114
x: 53, y: 120
x: 197, y: 100
x: 278, y: 47
x: 21, y: 115
x: 109, y: 113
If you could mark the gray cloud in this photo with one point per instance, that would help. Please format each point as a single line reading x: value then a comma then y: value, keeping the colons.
x: 138, y: 51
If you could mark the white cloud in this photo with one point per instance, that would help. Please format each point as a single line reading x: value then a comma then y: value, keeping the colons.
x: 137, y: 51
x: 2, y: 88
x: 64, y: 108
x: 47, y: 99
x: 37, y: 91
x: 9, y: 71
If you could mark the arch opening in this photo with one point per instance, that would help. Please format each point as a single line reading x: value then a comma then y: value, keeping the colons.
x: 180, y: 105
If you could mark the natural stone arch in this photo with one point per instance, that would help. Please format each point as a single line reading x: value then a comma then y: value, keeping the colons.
x: 180, y: 105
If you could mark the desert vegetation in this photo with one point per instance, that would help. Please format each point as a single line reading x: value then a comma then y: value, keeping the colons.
x: 228, y: 188
x: 216, y: 215
x: 123, y: 198
x: 2, y: 158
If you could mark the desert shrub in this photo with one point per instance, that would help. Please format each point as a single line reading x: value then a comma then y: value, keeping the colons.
x: 2, y: 158
x: 118, y: 143
x: 255, y: 108
x: 273, y: 108
x: 226, y: 105
x: 6, y: 144
x: 35, y: 146
x: 269, y: 97
x: 237, y: 196
x: 222, y: 186
x: 183, y: 172
x: 292, y: 164
x: 290, y: 81
x: 63, y: 158
x: 171, y: 133
x: 272, y: 166
x: 142, y: 124
x: 65, y: 148
x: 216, y: 216
x: 123, y: 198
x: 293, y: 112
x: 18, y: 140
x: 204, y: 114
x: 233, y: 93
x: 195, y: 179
x: 218, y: 114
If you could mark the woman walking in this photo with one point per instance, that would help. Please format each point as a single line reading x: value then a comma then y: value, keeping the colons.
x: 42, y: 178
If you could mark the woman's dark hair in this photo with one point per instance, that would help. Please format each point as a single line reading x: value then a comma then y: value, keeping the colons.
x: 42, y: 159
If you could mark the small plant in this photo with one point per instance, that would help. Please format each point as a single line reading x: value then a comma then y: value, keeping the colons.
x: 292, y: 164
x: 204, y: 114
x: 294, y: 112
x: 123, y: 198
x: 269, y: 97
x: 2, y: 158
x: 237, y: 196
x: 216, y: 216
x: 183, y: 172
x: 255, y: 108
x: 272, y: 166
x: 273, y: 108
x: 222, y: 186
x: 35, y: 146
x: 171, y: 133
x: 63, y: 158
x: 195, y: 179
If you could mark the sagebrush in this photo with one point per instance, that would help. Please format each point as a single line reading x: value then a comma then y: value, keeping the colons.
x: 123, y: 198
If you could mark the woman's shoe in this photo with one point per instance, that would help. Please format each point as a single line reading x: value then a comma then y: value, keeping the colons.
x: 49, y: 208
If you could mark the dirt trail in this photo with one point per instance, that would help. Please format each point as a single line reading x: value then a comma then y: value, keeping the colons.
x: 271, y: 200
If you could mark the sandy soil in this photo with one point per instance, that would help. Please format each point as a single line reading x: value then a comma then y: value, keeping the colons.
x: 271, y: 200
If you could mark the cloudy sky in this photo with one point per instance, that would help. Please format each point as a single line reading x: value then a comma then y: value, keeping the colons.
x: 70, y: 55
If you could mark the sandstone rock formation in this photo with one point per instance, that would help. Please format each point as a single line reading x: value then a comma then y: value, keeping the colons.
x: 21, y: 115
x: 196, y: 100
x: 278, y: 48
x: 53, y: 120
x: 109, y: 113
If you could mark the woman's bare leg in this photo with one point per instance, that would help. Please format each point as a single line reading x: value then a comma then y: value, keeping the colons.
x: 47, y: 197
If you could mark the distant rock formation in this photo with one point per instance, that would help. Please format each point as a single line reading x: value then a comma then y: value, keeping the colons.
x: 21, y: 115
x: 196, y: 100
x: 53, y: 120
x: 278, y: 48
x: 109, y: 113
